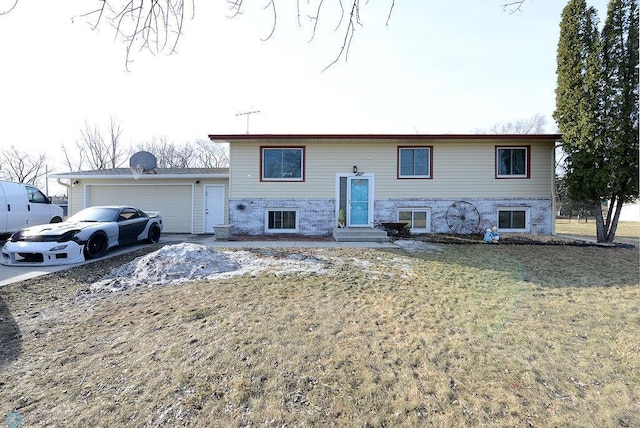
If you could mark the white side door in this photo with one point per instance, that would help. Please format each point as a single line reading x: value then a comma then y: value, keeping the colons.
x: 17, y: 207
x: 213, y: 207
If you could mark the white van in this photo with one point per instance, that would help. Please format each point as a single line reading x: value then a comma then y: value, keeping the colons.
x: 22, y: 205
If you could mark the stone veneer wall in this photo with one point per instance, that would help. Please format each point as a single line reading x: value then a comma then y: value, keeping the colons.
x: 317, y: 216
x: 540, y: 211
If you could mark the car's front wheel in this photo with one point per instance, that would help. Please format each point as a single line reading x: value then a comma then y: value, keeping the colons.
x: 96, y: 246
x: 154, y: 234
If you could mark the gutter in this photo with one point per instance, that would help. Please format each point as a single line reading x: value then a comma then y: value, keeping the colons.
x: 60, y: 182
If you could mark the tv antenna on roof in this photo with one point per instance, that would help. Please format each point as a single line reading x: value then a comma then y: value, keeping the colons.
x: 247, y: 113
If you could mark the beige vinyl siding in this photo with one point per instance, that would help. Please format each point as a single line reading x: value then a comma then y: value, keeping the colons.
x: 459, y: 170
x: 180, y: 201
x: 172, y: 201
x: 76, y: 199
x: 467, y: 170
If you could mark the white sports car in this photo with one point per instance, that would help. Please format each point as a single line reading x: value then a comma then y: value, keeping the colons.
x: 86, y: 235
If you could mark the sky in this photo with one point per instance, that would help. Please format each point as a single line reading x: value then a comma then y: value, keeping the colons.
x: 455, y: 66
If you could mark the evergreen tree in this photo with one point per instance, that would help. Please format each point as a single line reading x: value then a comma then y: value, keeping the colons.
x: 597, y: 107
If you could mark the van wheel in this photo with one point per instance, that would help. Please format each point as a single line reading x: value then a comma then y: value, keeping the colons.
x: 96, y: 246
x: 56, y: 220
x: 154, y: 234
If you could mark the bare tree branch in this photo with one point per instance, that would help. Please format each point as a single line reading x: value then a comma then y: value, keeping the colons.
x: 22, y: 166
x: 275, y: 19
x: 354, y: 18
x: 73, y: 165
x: 94, y: 152
x: 235, y: 6
x: 316, y: 18
x: 532, y: 125
x: 117, y: 154
x: 393, y: 3
x: 13, y: 6
x: 513, y: 7
x: 201, y: 154
x: 157, y: 25
x: 212, y: 155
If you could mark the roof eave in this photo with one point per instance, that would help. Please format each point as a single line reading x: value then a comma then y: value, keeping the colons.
x: 144, y: 176
x: 379, y: 137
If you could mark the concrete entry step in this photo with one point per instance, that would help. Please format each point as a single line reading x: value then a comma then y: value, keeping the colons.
x: 359, y: 234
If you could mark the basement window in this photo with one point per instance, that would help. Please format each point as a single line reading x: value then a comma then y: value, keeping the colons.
x: 419, y: 219
x: 513, y: 219
x: 281, y: 221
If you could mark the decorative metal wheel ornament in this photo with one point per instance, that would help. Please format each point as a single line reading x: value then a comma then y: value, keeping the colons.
x: 463, y: 218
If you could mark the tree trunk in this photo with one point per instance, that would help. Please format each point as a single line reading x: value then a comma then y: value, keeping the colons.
x: 606, y: 230
x: 613, y: 223
x: 601, y: 233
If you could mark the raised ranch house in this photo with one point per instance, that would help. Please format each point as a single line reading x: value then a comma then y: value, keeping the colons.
x: 317, y: 184
x: 334, y: 184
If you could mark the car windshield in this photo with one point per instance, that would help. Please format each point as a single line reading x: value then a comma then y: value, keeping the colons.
x: 94, y: 214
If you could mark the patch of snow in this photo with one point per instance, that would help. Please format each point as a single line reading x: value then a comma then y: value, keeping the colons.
x: 188, y: 262
x: 414, y: 246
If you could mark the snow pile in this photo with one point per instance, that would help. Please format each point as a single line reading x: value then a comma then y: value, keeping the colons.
x: 188, y: 262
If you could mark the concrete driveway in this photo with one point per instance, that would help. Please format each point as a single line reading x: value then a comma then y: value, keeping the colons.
x: 12, y: 274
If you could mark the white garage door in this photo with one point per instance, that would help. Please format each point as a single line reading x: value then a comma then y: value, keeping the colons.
x: 173, y: 201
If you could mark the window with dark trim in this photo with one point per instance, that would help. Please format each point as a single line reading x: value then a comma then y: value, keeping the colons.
x: 512, y: 162
x: 418, y: 219
x: 281, y: 220
x: 282, y: 163
x: 414, y: 162
x: 514, y: 219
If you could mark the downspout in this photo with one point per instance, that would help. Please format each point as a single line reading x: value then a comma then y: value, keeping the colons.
x: 554, y: 190
x: 60, y: 182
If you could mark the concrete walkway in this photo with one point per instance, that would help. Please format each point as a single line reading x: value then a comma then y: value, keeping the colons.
x: 210, y: 241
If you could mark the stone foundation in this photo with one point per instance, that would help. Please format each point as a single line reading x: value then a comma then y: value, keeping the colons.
x: 318, y: 216
x: 315, y: 216
x: 540, y: 212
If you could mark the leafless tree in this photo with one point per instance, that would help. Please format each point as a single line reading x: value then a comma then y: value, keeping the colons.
x: 117, y: 155
x: 157, y: 25
x: 212, y: 155
x: 94, y: 151
x: 21, y: 166
x: 168, y: 154
x: 533, y: 125
x: 200, y: 154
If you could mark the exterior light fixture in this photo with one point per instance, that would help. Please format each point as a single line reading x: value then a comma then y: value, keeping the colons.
x: 355, y: 169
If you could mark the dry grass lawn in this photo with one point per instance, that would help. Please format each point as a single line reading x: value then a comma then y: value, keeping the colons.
x: 478, y: 335
x: 625, y: 229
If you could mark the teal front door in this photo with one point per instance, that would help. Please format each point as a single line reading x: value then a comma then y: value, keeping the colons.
x: 358, y: 205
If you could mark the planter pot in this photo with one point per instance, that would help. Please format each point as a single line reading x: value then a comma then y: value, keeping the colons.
x: 223, y: 231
